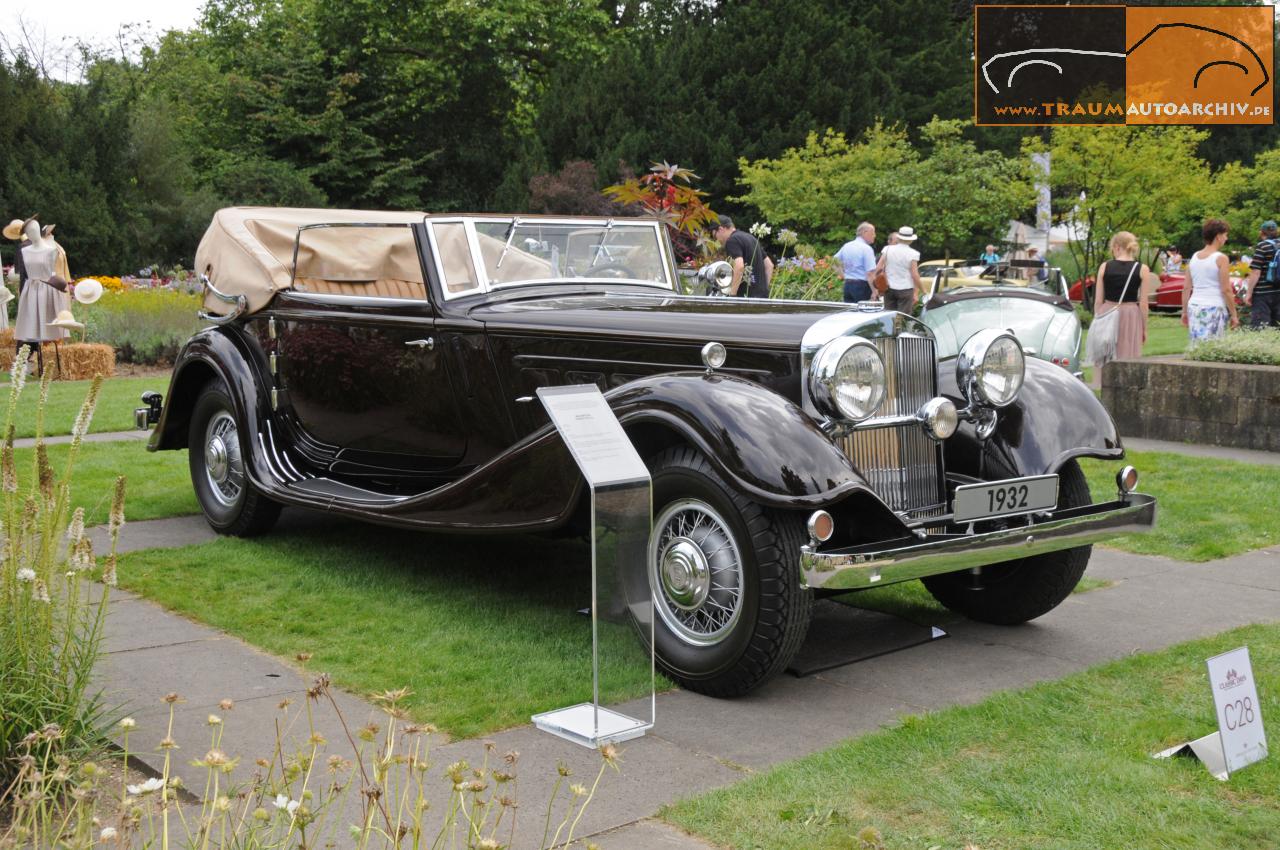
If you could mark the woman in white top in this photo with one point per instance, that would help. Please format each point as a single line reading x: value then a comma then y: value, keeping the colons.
x: 1208, y: 300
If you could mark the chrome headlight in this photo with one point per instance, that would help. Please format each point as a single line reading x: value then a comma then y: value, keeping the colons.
x: 847, y: 379
x: 991, y: 365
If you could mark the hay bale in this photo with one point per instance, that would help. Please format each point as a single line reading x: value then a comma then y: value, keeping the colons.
x: 80, y: 360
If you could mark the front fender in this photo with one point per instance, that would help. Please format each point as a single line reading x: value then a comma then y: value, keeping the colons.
x: 760, y: 442
x: 1056, y: 417
x: 211, y: 353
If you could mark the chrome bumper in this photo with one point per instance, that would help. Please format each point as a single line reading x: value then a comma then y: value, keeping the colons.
x: 908, y: 558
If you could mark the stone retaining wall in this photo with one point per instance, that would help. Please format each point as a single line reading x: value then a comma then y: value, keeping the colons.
x: 1220, y: 404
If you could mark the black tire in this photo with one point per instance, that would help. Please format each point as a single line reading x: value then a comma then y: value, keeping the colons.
x: 1017, y: 591
x: 700, y: 646
x: 227, y: 497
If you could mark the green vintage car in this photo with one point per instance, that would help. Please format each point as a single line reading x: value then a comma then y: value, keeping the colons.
x: 1026, y: 297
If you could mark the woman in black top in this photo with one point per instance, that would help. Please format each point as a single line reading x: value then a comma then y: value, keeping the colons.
x: 1108, y: 296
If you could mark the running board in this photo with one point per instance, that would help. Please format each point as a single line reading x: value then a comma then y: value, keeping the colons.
x: 327, y: 488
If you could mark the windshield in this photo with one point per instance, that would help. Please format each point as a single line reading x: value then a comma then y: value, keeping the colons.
x: 1020, y: 274
x: 516, y: 251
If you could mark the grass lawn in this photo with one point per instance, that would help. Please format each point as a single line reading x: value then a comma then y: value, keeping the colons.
x: 1065, y: 764
x: 158, y: 482
x: 114, y: 411
x: 483, y: 630
x: 1208, y: 508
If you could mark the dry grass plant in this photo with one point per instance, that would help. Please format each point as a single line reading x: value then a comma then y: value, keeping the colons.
x: 294, y: 798
x: 52, y: 794
x: 50, y: 623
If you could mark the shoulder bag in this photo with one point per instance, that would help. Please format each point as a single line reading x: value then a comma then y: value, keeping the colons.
x: 1104, y: 333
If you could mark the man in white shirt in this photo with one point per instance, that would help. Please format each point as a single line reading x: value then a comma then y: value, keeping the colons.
x: 901, y: 264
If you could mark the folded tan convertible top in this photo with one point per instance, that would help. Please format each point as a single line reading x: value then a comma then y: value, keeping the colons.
x: 249, y: 250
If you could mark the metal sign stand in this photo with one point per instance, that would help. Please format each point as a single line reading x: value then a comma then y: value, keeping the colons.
x: 1240, y: 740
x: 621, y: 521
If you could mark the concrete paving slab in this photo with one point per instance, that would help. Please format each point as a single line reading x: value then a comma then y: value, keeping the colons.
x: 647, y: 834
x: 832, y: 711
x: 1116, y: 565
x: 1219, y: 452
x: 957, y: 671
x: 154, y: 533
x: 135, y: 624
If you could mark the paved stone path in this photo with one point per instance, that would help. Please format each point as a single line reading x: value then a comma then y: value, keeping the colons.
x: 699, y: 743
x: 103, y: 437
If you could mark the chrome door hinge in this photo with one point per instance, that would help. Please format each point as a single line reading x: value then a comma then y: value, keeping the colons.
x: 271, y: 327
x: 275, y: 365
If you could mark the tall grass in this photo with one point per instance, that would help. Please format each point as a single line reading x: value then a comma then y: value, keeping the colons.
x: 50, y: 627
x: 146, y: 326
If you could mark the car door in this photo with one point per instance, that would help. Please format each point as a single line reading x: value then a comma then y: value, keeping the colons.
x: 365, y: 375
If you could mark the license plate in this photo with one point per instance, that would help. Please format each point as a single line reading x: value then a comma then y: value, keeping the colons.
x: 1006, y: 498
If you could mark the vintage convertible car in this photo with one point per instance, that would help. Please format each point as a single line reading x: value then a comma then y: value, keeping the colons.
x: 383, y: 366
x: 1023, y: 296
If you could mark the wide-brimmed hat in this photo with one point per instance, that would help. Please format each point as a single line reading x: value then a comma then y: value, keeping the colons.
x: 47, y: 230
x: 87, y: 291
x: 66, y: 320
x: 13, y: 230
x: 906, y: 234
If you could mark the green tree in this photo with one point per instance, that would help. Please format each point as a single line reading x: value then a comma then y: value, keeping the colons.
x: 959, y: 196
x: 826, y: 187
x: 1149, y: 181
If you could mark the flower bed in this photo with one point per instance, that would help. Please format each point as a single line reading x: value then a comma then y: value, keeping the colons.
x: 807, y: 278
x: 145, y: 326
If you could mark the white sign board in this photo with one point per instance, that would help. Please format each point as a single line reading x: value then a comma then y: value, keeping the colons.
x: 594, y: 435
x: 1235, y: 696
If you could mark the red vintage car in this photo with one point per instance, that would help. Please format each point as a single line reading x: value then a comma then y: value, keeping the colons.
x: 1167, y: 296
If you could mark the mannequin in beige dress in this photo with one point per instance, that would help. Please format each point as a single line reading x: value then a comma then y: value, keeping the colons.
x: 41, y: 298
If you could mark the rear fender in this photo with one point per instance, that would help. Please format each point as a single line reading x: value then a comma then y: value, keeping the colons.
x: 1055, y: 418
x: 213, y: 353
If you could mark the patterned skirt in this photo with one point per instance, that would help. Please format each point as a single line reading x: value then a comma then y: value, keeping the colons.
x: 1206, y: 321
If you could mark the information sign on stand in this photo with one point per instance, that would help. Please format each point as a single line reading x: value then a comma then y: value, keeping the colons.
x: 621, y: 599
x: 1240, y: 740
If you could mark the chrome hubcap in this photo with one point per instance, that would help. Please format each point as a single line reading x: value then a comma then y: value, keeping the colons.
x: 223, y: 466
x: 695, y: 571
x: 686, y: 578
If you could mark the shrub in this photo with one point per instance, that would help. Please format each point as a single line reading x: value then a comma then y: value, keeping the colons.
x: 143, y: 325
x: 50, y: 627
x: 807, y: 278
x: 1260, y: 348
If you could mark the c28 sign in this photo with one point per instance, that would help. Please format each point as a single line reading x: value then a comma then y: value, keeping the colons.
x: 1235, y: 696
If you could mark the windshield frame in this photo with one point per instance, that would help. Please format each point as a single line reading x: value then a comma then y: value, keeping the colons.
x: 486, y: 285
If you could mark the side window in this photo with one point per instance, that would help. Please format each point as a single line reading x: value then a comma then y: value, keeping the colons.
x: 361, y: 261
x: 455, y: 257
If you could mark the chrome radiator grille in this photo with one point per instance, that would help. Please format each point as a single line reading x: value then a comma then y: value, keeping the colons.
x: 901, y: 463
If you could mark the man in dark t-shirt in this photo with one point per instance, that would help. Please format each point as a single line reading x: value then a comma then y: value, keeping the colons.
x: 752, y: 268
x: 1263, y: 296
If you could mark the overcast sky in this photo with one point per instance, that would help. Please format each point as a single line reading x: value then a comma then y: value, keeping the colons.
x: 59, y: 24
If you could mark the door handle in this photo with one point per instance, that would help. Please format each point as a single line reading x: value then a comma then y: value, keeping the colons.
x: 429, y: 343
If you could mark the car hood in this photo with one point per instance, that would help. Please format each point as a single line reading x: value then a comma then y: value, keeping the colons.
x: 740, y: 321
x: 1029, y: 320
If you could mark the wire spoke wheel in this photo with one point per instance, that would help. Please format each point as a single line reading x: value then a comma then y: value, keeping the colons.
x: 223, y: 464
x: 695, y: 572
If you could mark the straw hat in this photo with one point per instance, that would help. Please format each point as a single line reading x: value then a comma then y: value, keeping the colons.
x: 66, y: 320
x: 13, y: 230
x: 88, y: 290
x: 47, y: 230
x: 906, y: 234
